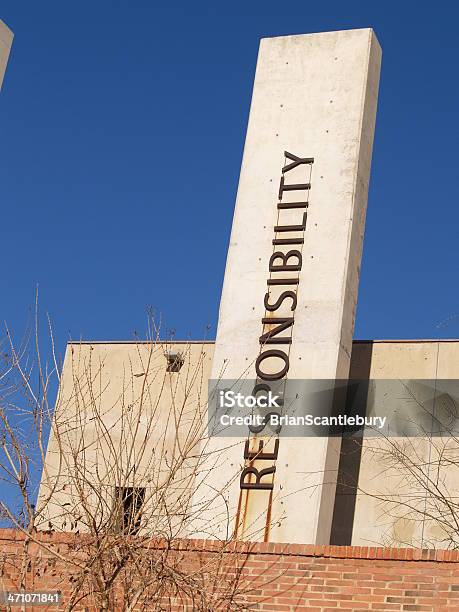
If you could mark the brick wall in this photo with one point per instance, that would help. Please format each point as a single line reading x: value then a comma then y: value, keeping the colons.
x: 272, y: 577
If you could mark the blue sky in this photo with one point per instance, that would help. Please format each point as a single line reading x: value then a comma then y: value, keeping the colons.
x: 122, y: 127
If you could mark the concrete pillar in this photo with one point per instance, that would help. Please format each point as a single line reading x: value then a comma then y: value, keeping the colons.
x: 314, y: 100
x: 6, y: 39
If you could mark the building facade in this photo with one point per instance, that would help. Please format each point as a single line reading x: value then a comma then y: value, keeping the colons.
x: 110, y: 382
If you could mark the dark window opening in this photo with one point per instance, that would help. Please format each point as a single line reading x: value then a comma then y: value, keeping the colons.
x: 174, y: 362
x: 129, y: 502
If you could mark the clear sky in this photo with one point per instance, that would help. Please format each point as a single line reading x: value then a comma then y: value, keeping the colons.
x: 121, y: 133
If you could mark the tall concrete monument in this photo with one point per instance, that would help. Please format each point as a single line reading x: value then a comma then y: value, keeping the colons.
x: 6, y: 39
x: 290, y: 288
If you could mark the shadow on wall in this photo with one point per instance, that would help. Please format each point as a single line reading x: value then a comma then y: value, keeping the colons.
x: 351, y: 456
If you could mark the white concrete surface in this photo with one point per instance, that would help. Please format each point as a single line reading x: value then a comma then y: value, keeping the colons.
x: 314, y: 95
x: 6, y: 40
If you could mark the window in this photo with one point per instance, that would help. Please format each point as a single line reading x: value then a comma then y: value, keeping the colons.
x: 174, y: 362
x: 128, y: 506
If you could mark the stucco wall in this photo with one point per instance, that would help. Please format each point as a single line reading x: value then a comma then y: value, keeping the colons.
x: 383, y: 501
x: 359, y: 518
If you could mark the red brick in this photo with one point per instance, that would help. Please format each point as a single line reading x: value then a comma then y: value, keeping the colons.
x: 277, y: 576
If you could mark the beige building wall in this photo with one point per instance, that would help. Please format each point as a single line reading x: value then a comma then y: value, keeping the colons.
x: 388, y: 503
x: 6, y: 40
x: 107, y: 381
x: 122, y: 420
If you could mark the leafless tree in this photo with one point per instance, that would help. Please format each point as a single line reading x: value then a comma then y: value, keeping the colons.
x: 117, y: 448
